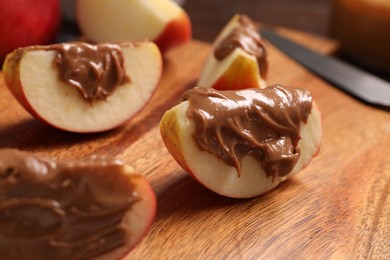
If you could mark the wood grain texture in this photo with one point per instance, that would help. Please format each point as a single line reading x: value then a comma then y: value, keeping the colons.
x: 338, y: 207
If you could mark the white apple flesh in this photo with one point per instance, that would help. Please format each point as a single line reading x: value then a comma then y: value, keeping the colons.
x: 36, y: 85
x: 162, y: 21
x: 212, y: 172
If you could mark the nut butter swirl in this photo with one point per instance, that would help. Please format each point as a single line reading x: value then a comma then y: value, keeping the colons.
x: 94, y: 70
x: 245, y: 36
x: 262, y: 123
x: 64, y: 210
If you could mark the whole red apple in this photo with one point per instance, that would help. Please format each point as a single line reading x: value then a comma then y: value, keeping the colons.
x: 26, y: 22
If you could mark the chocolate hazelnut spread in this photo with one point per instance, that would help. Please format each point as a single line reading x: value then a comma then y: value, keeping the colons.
x: 95, y: 70
x: 262, y: 123
x: 61, y: 210
x: 245, y: 36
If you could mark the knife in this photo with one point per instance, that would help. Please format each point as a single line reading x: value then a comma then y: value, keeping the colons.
x: 357, y: 82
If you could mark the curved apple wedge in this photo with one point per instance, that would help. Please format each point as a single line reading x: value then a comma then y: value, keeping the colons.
x: 37, y: 84
x: 161, y: 21
x: 238, y: 57
x: 95, y: 208
x: 264, y: 153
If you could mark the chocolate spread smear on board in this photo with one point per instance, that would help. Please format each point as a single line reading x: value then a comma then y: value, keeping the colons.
x: 94, y: 70
x: 65, y: 210
x: 245, y: 36
x: 262, y: 123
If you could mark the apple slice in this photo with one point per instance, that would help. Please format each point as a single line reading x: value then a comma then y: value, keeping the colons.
x: 238, y: 57
x: 92, y: 208
x: 241, y: 144
x: 161, y: 21
x: 83, y: 104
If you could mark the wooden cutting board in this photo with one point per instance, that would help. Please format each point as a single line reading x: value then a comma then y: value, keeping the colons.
x: 337, y: 207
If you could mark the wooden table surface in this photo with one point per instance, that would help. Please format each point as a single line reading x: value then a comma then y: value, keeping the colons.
x: 337, y: 207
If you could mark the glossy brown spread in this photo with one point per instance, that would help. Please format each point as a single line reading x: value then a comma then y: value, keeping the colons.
x: 245, y: 36
x: 66, y: 210
x: 262, y: 123
x: 95, y: 70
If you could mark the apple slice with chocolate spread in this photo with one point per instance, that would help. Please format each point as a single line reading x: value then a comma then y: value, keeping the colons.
x: 243, y: 143
x: 93, y: 208
x: 238, y: 57
x: 81, y: 87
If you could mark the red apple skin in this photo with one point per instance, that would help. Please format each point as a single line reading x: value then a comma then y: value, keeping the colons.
x: 26, y: 22
x: 11, y: 74
x: 11, y: 77
x: 176, y: 32
x: 168, y: 130
x: 241, y: 74
x: 238, y: 70
x: 144, y: 189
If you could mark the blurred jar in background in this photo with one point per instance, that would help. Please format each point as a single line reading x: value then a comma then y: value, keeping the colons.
x: 363, y: 29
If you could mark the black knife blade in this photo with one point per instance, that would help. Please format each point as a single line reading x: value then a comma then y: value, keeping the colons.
x: 343, y: 75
